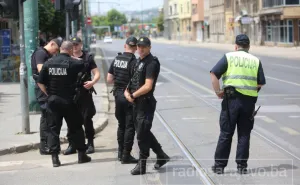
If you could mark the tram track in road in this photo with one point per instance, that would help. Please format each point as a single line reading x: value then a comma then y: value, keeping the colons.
x: 259, y: 131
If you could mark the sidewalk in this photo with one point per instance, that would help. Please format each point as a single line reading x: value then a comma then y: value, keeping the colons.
x: 284, y: 52
x: 12, y: 141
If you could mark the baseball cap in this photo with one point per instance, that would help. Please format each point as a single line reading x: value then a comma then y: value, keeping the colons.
x: 76, y: 40
x: 144, y: 41
x: 242, y: 40
x: 58, y: 41
x: 131, y: 41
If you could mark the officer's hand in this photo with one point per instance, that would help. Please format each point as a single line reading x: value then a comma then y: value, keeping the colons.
x: 76, y: 58
x: 127, y: 96
x: 88, y: 84
x: 220, y: 94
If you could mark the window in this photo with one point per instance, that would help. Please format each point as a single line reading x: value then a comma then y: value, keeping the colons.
x: 280, y: 31
x: 194, y: 9
x: 170, y: 13
x: 271, y: 3
x: 181, y: 8
x: 299, y: 30
x: 228, y: 4
x: 175, y: 9
x: 188, y: 7
x: 291, y: 2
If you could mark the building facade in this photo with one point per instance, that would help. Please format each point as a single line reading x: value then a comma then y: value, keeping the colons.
x: 280, y: 21
x: 184, y: 14
x: 198, y: 20
x: 206, y: 30
x: 217, y: 21
x: 246, y: 19
x: 172, y: 21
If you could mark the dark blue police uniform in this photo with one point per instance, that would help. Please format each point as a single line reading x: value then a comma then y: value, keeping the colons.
x: 237, y: 111
x: 59, y: 74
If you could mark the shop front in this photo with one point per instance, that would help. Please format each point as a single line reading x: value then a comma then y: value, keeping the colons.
x: 10, y: 51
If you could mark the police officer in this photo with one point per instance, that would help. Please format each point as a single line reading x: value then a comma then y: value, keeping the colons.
x: 59, y: 74
x: 85, y: 102
x: 38, y: 58
x: 242, y: 75
x: 140, y: 92
x: 120, y: 73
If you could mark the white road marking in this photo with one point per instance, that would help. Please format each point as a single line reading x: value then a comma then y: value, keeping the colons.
x: 189, y: 80
x: 279, y: 108
x: 159, y: 83
x: 164, y: 72
x: 285, y: 81
x: 10, y: 163
x: 192, y: 118
x: 287, y: 66
x: 266, y: 119
x: 294, y: 116
x: 205, y: 61
x: 291, y: 98
x: 174, y: 100
x: 290, y: 131
x: 173, y: 96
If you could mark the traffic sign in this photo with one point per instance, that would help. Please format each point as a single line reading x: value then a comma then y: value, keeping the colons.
x: 89, y: 21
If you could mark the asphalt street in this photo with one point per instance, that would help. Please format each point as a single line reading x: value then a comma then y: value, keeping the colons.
x: 186, y: 102
x: 186, y: 125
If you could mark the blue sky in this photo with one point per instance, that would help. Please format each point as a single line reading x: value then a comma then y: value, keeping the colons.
x: 125, y: 5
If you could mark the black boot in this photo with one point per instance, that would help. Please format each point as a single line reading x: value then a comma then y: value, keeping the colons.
x: 217, y: 169
x: 242, y: 169
x: 55, y: 160
x: 162, y: 159
x: 90, y: 147
x: 120, y: 154
x: 44, y: 149
x: 127, y: 158
x: 83, y: 158
x: 70, y: 150
x: 140, y: 168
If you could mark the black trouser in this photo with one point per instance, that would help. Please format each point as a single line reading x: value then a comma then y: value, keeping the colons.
x: 123, y: 113
x: 59, y: 108
x: 87, y: 108
x: 240, y: 113
x: 42, y: 100
x: 143, y: 111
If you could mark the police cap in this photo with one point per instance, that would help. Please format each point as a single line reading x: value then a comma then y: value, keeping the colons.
x: 242, y: 40
x: 58, y: 41
x: 144, y: 41
x: 76, y: 40
x: 131, y: 41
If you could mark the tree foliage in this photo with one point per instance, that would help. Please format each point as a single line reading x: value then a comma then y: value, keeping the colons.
x: 50, y: 21
x: 160, y: 22
x: 113, y: 18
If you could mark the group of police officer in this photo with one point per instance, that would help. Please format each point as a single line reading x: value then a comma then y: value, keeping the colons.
x: 57, y: 77
x: 134, y: 85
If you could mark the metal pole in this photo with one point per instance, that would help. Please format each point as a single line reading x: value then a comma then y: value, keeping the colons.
x: 23, y: 75
x: 30, y: 8
x: 67, y: 25
x: 72, y: 28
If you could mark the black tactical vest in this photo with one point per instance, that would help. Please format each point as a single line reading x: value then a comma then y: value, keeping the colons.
x: 139, y: 76
x: 61, y: 81
x: 122, y: 70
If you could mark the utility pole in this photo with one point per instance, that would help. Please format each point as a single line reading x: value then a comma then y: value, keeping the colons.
x: 23, y: 75
x: 74, y: 28
x: 67, y: 25
x: 31, y: 37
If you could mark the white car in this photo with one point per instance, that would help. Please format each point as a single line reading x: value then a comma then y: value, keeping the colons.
x: 107, y: 39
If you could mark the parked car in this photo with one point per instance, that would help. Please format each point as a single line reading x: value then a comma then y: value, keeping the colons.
x: 107, y: 39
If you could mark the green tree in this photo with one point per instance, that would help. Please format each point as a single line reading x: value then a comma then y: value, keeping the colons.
x: 115, y: 18
x: 50, y: 21
x: 160, y: 22
x: 46, y: 15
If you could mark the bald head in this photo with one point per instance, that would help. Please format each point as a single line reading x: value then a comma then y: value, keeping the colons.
x: 66, y: 47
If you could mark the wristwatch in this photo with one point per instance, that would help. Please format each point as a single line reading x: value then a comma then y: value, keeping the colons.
x: 218, y: 91
x: 131, y: 96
